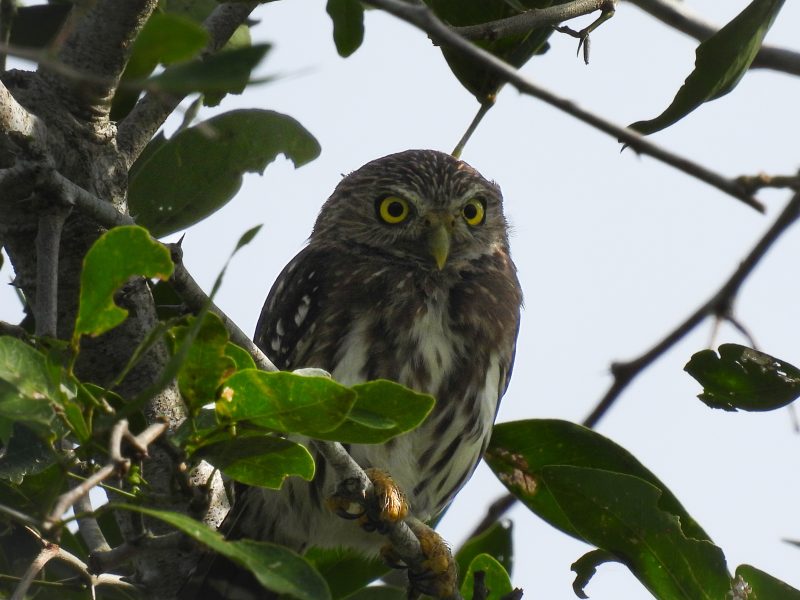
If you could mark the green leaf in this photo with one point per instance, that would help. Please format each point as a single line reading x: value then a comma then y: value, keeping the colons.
x: 518, y: 452
x: 382, y: 410
x: 28, y: 387
x: 227, y: 71
x: 348, y: 25
x: 743, y: 378
x: 285, y: 402
x: 118, y: 255
x: 200, y: 169
x: 721, y: 61
x: 207, y: 364
x: 264, y: 461
x: 495, y: 541
x: 585, y: 568
x: 345, y: 570
x: 166, y: 38
x: 496, y: 578
x: 240, y: 357
x: 26, y: 454
x: 515, y: 50
x: 277, y: 568
x: 622, y: 514
x: 764, y: 586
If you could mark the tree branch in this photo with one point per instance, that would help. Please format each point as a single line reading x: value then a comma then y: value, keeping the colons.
x: 18, y: 125
x: 676, y: 15
x: 533, y: 19
x: 47, y: 553
x: 149, y: 114
x: 421, y: 17
x: 89, y: 528
x: 100, y: 44
x: 48, y: 241
x: 719, y: 303
x: 8, y: 8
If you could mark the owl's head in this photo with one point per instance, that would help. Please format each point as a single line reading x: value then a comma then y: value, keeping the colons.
x: 419, y: 206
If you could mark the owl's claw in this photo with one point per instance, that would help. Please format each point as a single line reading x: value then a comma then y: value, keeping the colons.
x: 436, y: 575
x: 386, y: 505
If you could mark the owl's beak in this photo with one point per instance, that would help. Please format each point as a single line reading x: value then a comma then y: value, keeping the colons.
x: 439, y: 238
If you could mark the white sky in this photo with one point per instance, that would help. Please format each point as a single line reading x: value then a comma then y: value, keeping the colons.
x: 613, y: 250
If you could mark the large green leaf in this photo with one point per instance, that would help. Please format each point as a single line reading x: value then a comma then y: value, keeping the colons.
x: 200, y: 169
x: 743, y: 378
x: 277, y: 568
x: 285, y: 402
x: 382, y: 410
x: 519, y: 450
x: 345, y: 570
x: 24, y: 455
x: 115, y: 257
x: 495, y: 541
x: 515, y: 50
x: 721, y: 62
x: 348, y: 24
x: 764, y: 586
x: 29, y: 388
x: 496, y: 578
x: 263, y: 461
x: 623, y: 515
x: 207, y: 364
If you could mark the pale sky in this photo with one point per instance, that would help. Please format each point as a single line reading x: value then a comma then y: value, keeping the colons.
x: 613, y: 251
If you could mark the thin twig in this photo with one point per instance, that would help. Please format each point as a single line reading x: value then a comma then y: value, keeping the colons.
x: 677, y: 15
x: 48, y: 241
x: 532, y: 19
x: 718, y: 304
x: 117, y: 464
x: 425, y: 20
x: 753, y: 183
x: 47, y: 553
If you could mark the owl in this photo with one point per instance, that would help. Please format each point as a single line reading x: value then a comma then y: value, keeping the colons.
x: 406, y: 276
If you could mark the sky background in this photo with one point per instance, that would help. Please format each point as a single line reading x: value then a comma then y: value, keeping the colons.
x: 613, y: 250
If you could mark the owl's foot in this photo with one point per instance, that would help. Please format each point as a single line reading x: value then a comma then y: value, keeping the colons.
x: 436, y: 575
x: 386, y: 505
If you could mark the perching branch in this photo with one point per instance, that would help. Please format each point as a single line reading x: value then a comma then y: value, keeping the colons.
x: 117, y: 465
x: 676, y: 15
x: 421, y: 17
x: 18, y: 125
x: 533, y: 19
x: 359, y: 487
x: 149, y: 114
x: 719, y: 304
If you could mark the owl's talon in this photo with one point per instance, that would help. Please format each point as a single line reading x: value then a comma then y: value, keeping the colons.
x: 386, y: 504
x: 437, y: 574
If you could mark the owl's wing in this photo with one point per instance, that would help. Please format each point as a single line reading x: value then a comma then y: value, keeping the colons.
x: 291, y: 309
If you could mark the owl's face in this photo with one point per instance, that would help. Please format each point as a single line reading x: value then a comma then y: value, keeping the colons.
x: 422, y: 207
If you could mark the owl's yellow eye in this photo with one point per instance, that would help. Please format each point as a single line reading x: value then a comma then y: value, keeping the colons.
x: 393, y: 210
x: 473, y: 212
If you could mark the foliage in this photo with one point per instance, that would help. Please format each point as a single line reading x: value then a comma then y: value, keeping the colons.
x: 254, y: 426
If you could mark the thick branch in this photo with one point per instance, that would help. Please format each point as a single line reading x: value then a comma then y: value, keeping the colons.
x: 18, y: 124
x: 676, y: 15
x: 532, y: 19
x: 718, y: 304
x: 425, y: 20
x: 100, y: 43
x: 149, y: 114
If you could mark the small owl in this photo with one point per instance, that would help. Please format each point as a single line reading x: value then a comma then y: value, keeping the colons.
x: 406, y: 276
